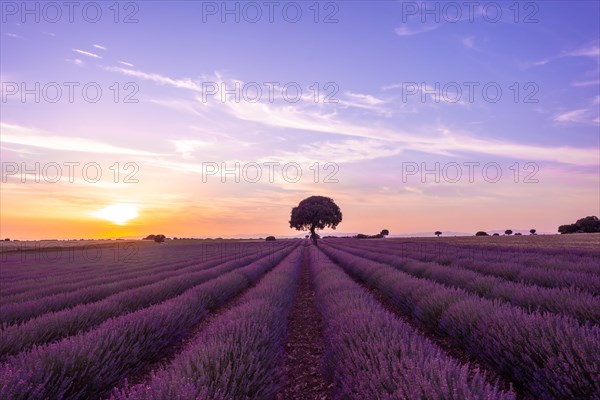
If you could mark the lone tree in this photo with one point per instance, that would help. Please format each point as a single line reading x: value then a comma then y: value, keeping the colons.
x: 384, y: 232
x: 437, y: 233
x: 532, y: 231
x: 315, y: 212
x: 508, y: 232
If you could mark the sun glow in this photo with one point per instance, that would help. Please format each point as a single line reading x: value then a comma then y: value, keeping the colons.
x: 118, y: 214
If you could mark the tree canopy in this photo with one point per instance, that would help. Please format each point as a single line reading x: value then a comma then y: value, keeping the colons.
x: 315, y: 212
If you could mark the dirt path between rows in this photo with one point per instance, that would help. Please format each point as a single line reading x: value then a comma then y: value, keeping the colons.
x: 304, y: 348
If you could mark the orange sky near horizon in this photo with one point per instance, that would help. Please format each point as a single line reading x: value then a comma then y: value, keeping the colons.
x: 58, y: 216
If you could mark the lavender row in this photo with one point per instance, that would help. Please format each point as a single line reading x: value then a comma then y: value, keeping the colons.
x: 19, y: 312
x: 373, y: 355
x: 100, y: 274
x: 514, y: 271
x: 239, y: 355
x: 89, y: 365
x: 36, y: 267
x: 61, y: 271
x: 587, y: 262
x: 568, y: 301
x: 80, y: 274
x: 550, y: 356
x: 57, y: 325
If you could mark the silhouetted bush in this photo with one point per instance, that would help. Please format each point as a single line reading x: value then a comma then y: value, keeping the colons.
x: 496, y: 234
x: 270, y: 238
x: 508, y: 232
x: 589, y: 224
x: 481, y: 233
x: 570, y: 228
x: 361, y: 236
x: 384, y: 232
x: 437, y: 233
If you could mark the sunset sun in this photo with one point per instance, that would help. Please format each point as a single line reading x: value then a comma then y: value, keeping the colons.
x: 118, y: 214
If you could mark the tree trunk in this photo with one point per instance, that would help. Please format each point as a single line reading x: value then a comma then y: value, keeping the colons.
x: 313, y: 236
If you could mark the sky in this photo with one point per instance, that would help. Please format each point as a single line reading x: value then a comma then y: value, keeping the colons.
x: 215, y: 119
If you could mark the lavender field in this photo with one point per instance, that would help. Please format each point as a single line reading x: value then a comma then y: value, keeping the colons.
x: 348, y: 319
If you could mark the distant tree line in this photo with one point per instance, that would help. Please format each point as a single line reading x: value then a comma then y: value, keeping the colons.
x: 380, y: 235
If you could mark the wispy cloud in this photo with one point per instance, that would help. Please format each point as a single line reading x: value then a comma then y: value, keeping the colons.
x: 31, y: 137
x: 366, y: 102
x: 469, y: 42
x: 76, y: 61
x: 15, y: 36
x: 405, y: 30
x: 595, y: 82
x: 344, y: 151
x: 443, y: 142
x: 588, y: 51
x: 592, y: 51
x: 126, y: 63
x: 579, y: 116
x: 157, y: 78
x: 87, y: 53
x: 187, y: 147
x: 100, y: 47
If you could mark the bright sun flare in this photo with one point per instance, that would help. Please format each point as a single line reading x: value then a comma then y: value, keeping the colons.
x: 118, y: 214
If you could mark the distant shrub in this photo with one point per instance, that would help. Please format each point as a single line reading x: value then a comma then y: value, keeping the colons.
x: 270, y: 238
x: 570, y: 228
x: 437, y: 233
x: 7, y: 240
x: 589, y: 224
x: 384, y: 232
x: 496, y: 234
x: 361, y: 236
x: 532, y: 231
x: 518, y: 234
x: 157, y: 238
x: 481, y: 233
x: 508, y: 232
